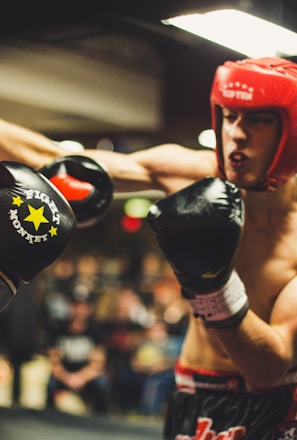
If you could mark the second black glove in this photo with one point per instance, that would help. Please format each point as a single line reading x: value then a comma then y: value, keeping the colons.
x: 199, y: 230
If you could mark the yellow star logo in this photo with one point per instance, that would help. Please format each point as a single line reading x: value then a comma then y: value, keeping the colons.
x: 53, y: 231
x: 17, y: 201
x: 36, y: 216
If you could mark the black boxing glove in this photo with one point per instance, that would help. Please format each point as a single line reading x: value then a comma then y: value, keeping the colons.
x: 198, y: 230
x: 36, y: 224
x: 85, y: 184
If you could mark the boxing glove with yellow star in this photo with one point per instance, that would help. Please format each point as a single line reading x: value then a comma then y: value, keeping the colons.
x: 36, y: 224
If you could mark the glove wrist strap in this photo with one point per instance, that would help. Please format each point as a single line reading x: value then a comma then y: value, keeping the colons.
x: 223, y: 308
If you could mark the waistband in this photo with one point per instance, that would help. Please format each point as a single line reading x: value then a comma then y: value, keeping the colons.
x: 190, y: 380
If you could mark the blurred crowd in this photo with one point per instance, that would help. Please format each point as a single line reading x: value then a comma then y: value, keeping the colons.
x: 111, y: 329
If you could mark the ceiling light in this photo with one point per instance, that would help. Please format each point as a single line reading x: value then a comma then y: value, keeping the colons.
x: 239, y: 31
x: 207, y: 138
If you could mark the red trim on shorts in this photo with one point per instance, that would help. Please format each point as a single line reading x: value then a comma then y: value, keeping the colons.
x: 192, y: 379
x: 189, y: 370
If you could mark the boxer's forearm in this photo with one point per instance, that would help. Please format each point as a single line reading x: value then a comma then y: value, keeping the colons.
x: 36, y: 150
x: 26, y: 146
x: 260, y: 353
x: 127, y: 174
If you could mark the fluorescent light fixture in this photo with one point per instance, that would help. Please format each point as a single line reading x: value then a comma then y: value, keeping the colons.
x: 239, y: 31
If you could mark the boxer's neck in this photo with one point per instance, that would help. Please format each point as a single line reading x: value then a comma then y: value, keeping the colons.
x: 276, y: 203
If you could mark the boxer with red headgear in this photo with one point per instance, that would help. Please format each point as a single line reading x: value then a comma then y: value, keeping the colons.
x: 228, y: 227
x: 260, y: 85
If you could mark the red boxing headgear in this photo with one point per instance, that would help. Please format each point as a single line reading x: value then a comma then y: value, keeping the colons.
x: 256, y: 85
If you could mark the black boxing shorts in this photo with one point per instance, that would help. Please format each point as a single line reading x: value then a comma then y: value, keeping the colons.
x: 211, y: 405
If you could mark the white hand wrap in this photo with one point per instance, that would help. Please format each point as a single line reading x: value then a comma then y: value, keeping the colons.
x: 223, y: 308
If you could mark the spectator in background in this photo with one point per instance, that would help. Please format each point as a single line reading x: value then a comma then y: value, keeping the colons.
x: 78, y: 359
x: 88, y: 276
x: 56, y: 284
x: 153, y: 365
x: 149, y: 273
x: 169, y: 306
x: 123, y: 329
x: 131, y: 328
x: 142, y: 350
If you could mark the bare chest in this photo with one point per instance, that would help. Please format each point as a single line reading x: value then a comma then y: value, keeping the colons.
x: 266, y: 261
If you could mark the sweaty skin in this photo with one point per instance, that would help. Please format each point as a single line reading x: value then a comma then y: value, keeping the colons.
x: 267, y: 258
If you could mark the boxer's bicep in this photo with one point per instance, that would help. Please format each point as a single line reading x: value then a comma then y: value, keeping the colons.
x: 283, y: 319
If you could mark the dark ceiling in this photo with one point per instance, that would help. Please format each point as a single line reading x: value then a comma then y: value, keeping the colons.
x: 90, y: 70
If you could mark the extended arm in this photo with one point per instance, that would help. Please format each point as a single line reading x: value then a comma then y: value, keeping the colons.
x: 166, y: 167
